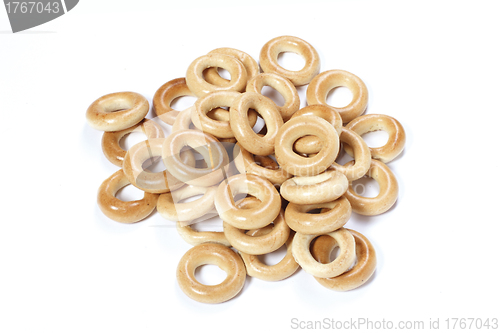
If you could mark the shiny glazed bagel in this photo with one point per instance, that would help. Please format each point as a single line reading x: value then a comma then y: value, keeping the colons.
x: 200, y: 87
x: 387, y: 196
x: 347, y: 254
x: 301, y: 126
x: 380, y: 122
x: 269, y: 59
x: 323, y: 83
x: 210, y: 148
x: 110, y: 142
x: 333, y: 216
x: 123, y: 211
x: 361, y: 272
x: 117, y: 111
x: 311, y: 144
x: 212, y: 75
x: 211, y: 254
x: 283, y: 86
x: 250, y: 218
x: 164, y: 97
x: 256, y: 268
x: 242, y: 129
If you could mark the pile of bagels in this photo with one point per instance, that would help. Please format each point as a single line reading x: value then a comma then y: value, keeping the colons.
x: 271, y: 186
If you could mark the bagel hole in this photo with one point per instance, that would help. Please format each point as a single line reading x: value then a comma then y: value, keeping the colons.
x: 314, y: 211
x: 376, y: 138
x: 209, y: 275
x: 343, y: 157
x: 273, y: 258
x: 259, y: 125
x: 129, y: 193
x: 154, y: 164
x: 224, y: 73
x: 339, y: 97
x: 335, y: 253
x: 366, y: 187
x: 182, y: 102
x: 131, y: 139
x: 291, y: 61
x: 273, y: 94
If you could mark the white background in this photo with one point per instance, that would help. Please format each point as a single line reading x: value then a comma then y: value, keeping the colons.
x: 64, y: 267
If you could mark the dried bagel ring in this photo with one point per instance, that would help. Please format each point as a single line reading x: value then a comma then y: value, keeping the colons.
x: 194, y: 237
x: 153, y: 182
x: 358, y: 274
x: 164, y: 97
x: 269, y: 59
x: 242, y: 128
x: 211, y: 101
x: 257, y: 244
x: 362, y: 157
x: 333, y: 216
x: 347, y: 254
x: 296, y: 128
x: 110, y: 142
x: 325, y: 187
x: 210, y: 148
x: 310, y: 144
x: 283, y: 86
x: 387, y: 196
x: 323, y: 83
x: 200, y: 87
x: 169, y: 207
x: 211, y: 254
x: 123, y: 211
x: 117, y: 111
x: 248, y: 163
x: 212, y: 75
x: 376, y: 122
x: 285, y: 268
x: 251, y: 218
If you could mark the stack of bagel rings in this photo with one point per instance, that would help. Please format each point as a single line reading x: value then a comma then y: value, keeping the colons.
x: 281, y: 185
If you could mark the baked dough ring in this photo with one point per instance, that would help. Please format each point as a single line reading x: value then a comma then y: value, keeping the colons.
x: 258, y: 165
x: 362, y: 157
x: 242, y: 128
x: 152, y: 182
x: 194, y: 237
x: 211, y: 254
x: 164, y: 97
x: 212, y: 75
x: 387, y: 196
x: 210, y: 148
x: 251, y: 218
x: 325, y: 187
x: 347, y: 254
x: 220, y: 128
x: 301, y: 126
x: 323, y: 83
x: 358, y: 274
x: 311, y: 144
x: 169, y: 207
x: 269, y: 59
x: 117, y: 111
x: 375, y: 122
x: 110, y: 142
x: 200, y: 87
x: 263, y: 244
x: 283, y: 86
x: 123, y: 211
x: 285, y: 268
x: 333, y: 216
